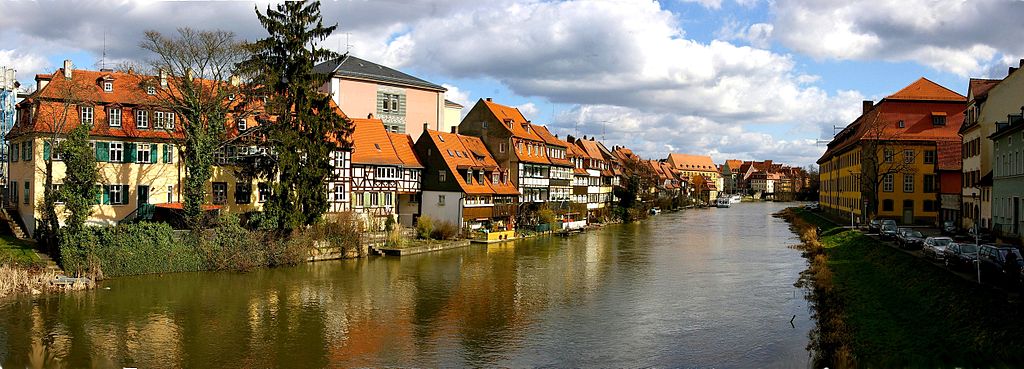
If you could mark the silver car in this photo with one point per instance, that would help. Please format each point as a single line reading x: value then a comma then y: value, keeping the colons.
x: 935, y: 247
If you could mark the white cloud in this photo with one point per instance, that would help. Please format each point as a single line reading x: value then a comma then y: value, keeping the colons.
x: 26, y: 64
x: 458, y: 95
x: 961, y: 37
x: 528, y: 109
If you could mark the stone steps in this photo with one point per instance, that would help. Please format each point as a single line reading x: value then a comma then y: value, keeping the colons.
x: 15, y: 228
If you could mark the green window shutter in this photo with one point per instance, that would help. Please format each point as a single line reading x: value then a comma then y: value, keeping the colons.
x: 98, y: 198
x: 26, y: 151
x: 46, y: 150
x: 14, y: 153
x: 164, y: 152
x: 106, y: 195
x: 125, y: 194
x: 102, y: 151
x: 170, y: 153
x: 129, y: 152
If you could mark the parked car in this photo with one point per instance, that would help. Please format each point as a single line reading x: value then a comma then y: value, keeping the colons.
x: 889, y: 230
x: 935, y: 247
x: 910, y: 239
x: 960, y: 255
x: 811, y: 206
x: 991, y: 258
x: 875, y: 225
x: 949, y: 227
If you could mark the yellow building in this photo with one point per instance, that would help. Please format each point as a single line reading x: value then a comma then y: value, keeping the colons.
x: 902, y: 132
x: 136, y: 145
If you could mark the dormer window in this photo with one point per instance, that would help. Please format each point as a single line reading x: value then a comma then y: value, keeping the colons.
x: 242, y: 126
x: 938, y: 118
x: 901, y: 124
x: 231, y: 97
x: 150, y: 90
x: 108, y: 86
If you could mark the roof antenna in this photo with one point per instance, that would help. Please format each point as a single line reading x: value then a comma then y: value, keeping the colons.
x: 103, y: 59
x: 348, y: 46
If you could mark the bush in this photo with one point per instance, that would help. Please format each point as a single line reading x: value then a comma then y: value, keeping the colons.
x: 229, y: 246
x: 127, y: 249
x: 444, y: 231
x: 546, y: 216
x: 425, y: 226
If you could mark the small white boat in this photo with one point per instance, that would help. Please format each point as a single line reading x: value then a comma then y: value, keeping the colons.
x: 723, y: 202
x: 655, y: 211
x: 735, y: 199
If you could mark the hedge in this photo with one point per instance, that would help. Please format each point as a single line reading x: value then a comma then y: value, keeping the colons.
x: 128, y: 249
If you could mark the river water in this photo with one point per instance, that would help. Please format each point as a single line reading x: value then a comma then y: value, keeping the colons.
x: 697, y: 288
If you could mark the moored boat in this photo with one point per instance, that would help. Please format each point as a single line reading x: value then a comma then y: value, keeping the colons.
x: 723, y: 202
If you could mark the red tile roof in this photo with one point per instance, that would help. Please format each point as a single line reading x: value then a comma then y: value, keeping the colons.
x: 701, y: 163
x: 734, y: 165
x: 978, y: 88
x: 513, y: 120
x: 371, y: 144
x: 550, y: 139
x: 467, y: 152
x: 590, y: 148
x: 925, y: 89
x: 404, y: 148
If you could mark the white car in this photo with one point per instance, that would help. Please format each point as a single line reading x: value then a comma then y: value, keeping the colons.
x: 935, y: 247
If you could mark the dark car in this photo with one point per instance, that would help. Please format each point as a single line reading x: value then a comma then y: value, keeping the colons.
x: 949, y: 227
x: 910, y: 239
x: 935, y: 247
x: 889, y: 229
x: 960, y: 255
x: 992, y: 258
x: 875, y: 226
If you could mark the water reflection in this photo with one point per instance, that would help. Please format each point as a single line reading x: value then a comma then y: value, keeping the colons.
x: 701, y: 288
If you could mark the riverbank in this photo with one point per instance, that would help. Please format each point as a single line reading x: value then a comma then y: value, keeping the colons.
x: 902, y: 311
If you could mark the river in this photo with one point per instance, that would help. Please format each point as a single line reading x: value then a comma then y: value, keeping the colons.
x: 697, y: 288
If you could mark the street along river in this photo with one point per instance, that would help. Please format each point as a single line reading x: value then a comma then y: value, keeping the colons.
x: 701, y: 287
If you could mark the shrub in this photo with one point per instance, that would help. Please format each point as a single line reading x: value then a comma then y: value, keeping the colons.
x: 444, y: 231
x: 546, y: 216
x: 128, y: 249
x: 342, y: 233
x: 425, y: 226
x: 229, y: 246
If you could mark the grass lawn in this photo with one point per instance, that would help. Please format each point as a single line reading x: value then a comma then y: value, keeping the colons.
x: 19, y: 251
x: 904, y: 311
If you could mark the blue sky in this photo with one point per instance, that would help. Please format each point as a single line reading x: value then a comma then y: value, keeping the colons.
x: 744, y: 79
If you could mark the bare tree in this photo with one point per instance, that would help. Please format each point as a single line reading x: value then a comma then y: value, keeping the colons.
x: 196, y: 81
x: 879, y: 159
x: 63, y: 104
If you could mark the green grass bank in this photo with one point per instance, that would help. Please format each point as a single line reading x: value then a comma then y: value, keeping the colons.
x: 902, y: 311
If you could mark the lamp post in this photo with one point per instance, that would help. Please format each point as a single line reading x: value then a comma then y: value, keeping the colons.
x: 977, y: 243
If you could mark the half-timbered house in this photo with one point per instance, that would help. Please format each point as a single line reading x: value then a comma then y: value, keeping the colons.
x: 379, y: 174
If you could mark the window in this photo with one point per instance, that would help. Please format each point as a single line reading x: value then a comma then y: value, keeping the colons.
x: 339, y: 192
x: 144, y: 153
x: 86, y: 115
x: 116, y: 152
x: 14, y: 153
x: 374, y: 199
x: 389, y: 199
x: 390, y: 103
x: 220, y: 192
x: 887, y: 183
x: 908, y: 156
x: 141, y: 119
x: 929, y: 157
x: 108, y: 86
x: 501, y: 147
x: 159, y: 116
x: 929, y: 183
x: 888, y: 155
x: 168, y: 154
x: 242, y: 126
x: 938, y: 120
x: 151, y: 90
x: 908, y: 182
x: 901, y: 124
x: 387, y: 173
x: 440, y: 200
x: 441, y: 176
x: 170, y: 194
x: 469, y: 176
x: 243, y: 193
x: 114, y: 117
x: 929, y: 205
x: 116, y: 194
x: 26, y: 195
x: 264, y: 192
x: 170, y: 120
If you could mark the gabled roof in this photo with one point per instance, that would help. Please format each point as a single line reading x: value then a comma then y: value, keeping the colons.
x: 371, y: 143
x: 576, y: 152
x: 700, y: 163
x: 404, y: 148
x: 925, y: 89
x: 734, y: 165
x: 353, y: 67
x: 513, y: 120
x: 591, y: 149
x: 467, y: 152
x: 978, y: 87
x: 550, y: 139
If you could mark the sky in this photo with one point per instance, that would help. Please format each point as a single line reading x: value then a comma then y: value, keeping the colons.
x: 733, y: 79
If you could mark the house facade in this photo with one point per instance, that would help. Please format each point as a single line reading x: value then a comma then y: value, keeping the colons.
x: 403, y: 102
x: 463, y: 184
x: 1008, y: 177
x: 901, y: 134
x: 385, y: 180
x: 694, y: 166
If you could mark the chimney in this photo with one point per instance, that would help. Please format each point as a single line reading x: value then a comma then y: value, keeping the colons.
x: 455, y: 129
x: 369, y: 116
x: 163, y: 78
x: 425, y: 126
x: 235, y: 81
x: 1012, y: 69
x: 42, y: 80
x: 866, y: 106
x: 1020, y: 63
x: 488, y: 99
x: 67, y: 68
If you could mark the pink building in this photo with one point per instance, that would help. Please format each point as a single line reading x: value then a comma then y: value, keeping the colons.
x: 403, y: 102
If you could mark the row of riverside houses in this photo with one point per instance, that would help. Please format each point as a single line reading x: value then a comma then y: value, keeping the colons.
x: 928, y: 155
x: 410, y: 155
x: 764, y: 179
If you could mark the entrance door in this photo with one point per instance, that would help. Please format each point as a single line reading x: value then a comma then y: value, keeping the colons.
x: 143, y: 195
x: 908, y: 211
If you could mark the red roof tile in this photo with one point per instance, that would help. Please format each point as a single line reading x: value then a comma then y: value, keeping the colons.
x: 701, y: 163
x: 925, y: 89
x: 404, y: 147
x: 467, y: 152
x: 371, y: 144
